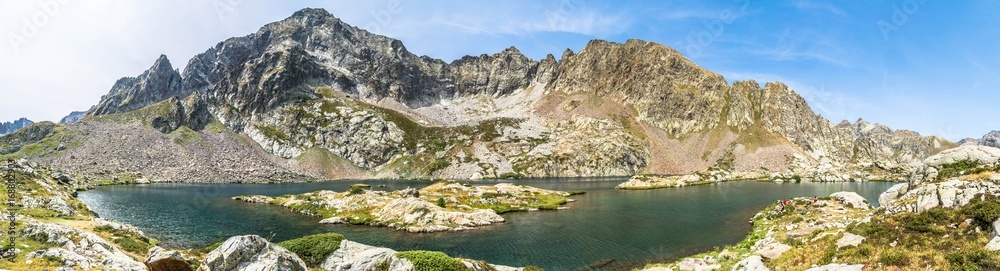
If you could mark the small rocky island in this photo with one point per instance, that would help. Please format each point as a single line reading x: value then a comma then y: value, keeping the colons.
x: 443, y: 206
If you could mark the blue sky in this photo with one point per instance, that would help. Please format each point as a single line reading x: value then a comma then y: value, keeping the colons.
x: 925, y: 65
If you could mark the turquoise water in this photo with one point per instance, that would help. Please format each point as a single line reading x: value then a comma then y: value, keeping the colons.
x: 631, y: 227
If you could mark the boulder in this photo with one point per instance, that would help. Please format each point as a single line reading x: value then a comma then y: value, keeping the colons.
x: 994, y: 245
x: 852, y: 199
x: 752, y: 263
x: 251, y: 253
x: 893, y: 193
x: 996, y: 228
x: 160, y: 259
x: 696, y: 264
x: 773, y: 250
x: 849, y: 240
x: 352, y: 256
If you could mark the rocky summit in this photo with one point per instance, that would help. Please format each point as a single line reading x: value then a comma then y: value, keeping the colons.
x: 12, y: 126
x: 311, y: 97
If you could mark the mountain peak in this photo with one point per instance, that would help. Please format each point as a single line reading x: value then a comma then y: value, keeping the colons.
x: 159, y: 82
x: 313, y: 16
x: 13, y: 126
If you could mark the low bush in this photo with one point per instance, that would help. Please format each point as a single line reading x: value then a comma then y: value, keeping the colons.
x: 132, y: 245
x: 314, y: 248
x: 984, y: 212
x: 894, y: 259
x: 973, y: 260
x: 431, y: 261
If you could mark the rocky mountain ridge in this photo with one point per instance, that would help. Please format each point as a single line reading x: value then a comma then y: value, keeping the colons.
x: 12, y: 126
x: 991, y: 139
x: 329, y: 100
x: 74, y: 116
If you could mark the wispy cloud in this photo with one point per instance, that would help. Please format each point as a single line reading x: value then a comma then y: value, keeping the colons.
x: 804, y: 46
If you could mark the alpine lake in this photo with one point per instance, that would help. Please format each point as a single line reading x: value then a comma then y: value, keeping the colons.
x: 630, y: 227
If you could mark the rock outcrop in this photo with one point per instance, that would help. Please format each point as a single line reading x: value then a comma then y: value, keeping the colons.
x: 852, y: 199
x: 251, y: 253
x: 77, y: 248
x: 160, y: 259
x: 950, y: 179
x: 353, y: 256
x: 73, y: 117
x: 991, y: 139
x: 158, y: 83
x: 12, y: 126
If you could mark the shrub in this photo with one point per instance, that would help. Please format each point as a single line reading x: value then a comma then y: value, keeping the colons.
x: 357, y: 189
x: 925, y: 221
x: 894, y: 259
x: 973, y: 260
x: 438, y: 164
x: 131, y: 245
x: 440, y: 202
x: 431, y: 261
x: 983, y: 211
x: 314, y: 248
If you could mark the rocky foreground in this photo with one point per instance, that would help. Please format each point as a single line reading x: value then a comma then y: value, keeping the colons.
x: 443, y: 206
x: 946, y: 218
x: 55, y: 231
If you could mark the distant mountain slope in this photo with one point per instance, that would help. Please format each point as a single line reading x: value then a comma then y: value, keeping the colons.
x: 322, y: 99
x: 991, y: 139
x: 13, y: 126
x: 73, y: 117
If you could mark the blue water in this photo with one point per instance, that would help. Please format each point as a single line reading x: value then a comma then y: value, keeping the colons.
x: 631, y: 227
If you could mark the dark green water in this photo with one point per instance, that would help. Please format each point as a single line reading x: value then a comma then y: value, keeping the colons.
x: 632, y: 227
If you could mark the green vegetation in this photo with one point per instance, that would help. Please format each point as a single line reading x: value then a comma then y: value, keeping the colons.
x: 273, y: 133
x: 126, y: 240
x: 956, y: 169
x: 357, y: 189
x: 40, y: 139
x: 313, y: 249
x: 132, y: 245
x: 440, y: 203
x: 431, y: 261
x: 438, y: 164
x: 916, y: 240
x: 185, y: 136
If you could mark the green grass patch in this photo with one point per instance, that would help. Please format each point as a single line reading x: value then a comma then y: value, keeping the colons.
x: 132, y: 245
x: 313, y: 249
x: 273, y: 133
x: 431, y: 261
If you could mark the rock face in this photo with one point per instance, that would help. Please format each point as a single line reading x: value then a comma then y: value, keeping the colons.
x: 852, y: 199
x: 352, y: 256
x: 73, y: 117
x: 78, y: 249
x: 160, y: 259
x: 12, y: 126
x: 158, y: 83
x: 944, y: 180
x: 991, y: 139
x: 251, y: 253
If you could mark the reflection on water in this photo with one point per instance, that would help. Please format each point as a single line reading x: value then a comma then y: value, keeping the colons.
x: 631, y: 227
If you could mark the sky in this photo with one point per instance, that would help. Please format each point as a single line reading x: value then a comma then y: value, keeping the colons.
x: 924, y: 65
